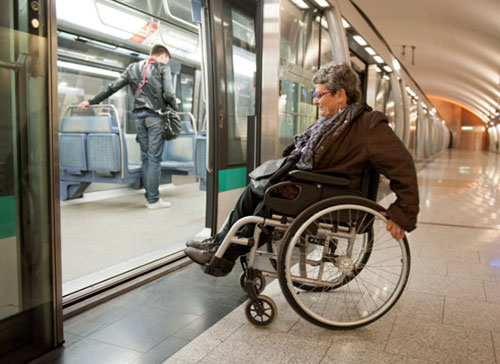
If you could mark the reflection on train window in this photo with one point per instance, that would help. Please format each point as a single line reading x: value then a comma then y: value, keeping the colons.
x: 360, y: 67
x: 300, y: 55
x: 384, y: 99
x: 178, y: 9
x: 326, y: 44
x: 78, y: 83
x: 240, y: 74
x: 150, y: 6
x: 413, y: 127
x: 184, y: 92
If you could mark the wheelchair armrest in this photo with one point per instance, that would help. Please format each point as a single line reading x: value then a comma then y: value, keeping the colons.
x: 319, y: 178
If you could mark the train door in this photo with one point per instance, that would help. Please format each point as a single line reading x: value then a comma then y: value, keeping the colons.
x: 29, y: 305
x: 232, y: 60
x: 108, y: 234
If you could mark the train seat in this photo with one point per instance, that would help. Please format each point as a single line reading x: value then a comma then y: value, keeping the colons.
x: 178, y: 153
x: 103, y: 151
x: 200, y: 160
x: 93, y: 149
x: 73, y: 158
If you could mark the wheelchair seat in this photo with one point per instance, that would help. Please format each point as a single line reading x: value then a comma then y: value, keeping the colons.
x: 314, y: 187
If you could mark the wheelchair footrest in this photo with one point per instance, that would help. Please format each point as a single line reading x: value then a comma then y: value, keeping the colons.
x: 218, y: 267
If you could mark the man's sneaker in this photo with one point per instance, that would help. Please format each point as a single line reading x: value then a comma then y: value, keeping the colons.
x: 158, y: 204
x: 200, y: 244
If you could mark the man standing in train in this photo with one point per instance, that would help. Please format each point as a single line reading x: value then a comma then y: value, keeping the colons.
x: 151, y: 85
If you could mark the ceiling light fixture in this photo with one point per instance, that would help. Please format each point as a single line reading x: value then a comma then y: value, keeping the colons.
x: 370, y: 51
x: 378, y: 59
x: 360, y: 40
x: 301, y: 4
x: 322, y: 3
x: 396, y: 64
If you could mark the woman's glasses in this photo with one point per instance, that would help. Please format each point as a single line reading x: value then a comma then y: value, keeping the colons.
x: 319, y: 95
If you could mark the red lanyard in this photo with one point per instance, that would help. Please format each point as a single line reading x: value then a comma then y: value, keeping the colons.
x: 143, y: 82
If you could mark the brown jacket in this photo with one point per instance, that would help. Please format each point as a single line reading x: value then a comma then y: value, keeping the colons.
x: 369, y: 139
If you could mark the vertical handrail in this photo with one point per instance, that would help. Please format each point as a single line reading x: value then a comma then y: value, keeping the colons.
x: 193, y: 120
x: 204, y: 66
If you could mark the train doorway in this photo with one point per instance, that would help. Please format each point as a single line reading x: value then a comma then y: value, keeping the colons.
x: 107, y: 233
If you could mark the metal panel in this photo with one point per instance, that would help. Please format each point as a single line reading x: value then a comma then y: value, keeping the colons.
x: 54, y: 172
x: 406, y: 113
x: 420, y: 134
x: 337, y: 33
x: 270, y: 79
x: 399, y: 117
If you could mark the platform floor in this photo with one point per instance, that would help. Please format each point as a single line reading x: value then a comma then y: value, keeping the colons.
x: 450, y: 312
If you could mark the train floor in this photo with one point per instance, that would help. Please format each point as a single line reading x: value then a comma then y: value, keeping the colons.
x: 448, y: 313
x: 109, y: 232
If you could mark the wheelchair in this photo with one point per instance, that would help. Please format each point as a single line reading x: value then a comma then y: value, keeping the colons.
x: 337, y: 265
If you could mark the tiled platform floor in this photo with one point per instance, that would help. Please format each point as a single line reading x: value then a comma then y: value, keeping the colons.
x: 450, y: 312
x: 149, y: 324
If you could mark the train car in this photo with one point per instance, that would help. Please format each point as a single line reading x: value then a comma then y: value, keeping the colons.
x: 242, y: 73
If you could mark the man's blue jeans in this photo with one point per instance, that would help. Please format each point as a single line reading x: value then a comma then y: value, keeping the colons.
x: 150, y: 135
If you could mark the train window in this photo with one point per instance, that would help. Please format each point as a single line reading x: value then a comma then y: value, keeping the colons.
x: 184, y: 92
x: 241, y: 64
x: 104, y: 17
x: 413, y: 126
x: 360, y: 67
x: 300, y: 56
x: 180, y: 10
x: 384, y: 99
x: 79, y: 82
x: 326, y: 45
x: 151, y: 6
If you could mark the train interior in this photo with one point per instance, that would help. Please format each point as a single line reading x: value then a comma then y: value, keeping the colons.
x: 106, y: 229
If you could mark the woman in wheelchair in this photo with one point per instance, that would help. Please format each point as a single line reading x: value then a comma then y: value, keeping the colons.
x: 346, y: 139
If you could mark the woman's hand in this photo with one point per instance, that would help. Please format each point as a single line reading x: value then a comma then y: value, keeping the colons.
x: 396, y: 231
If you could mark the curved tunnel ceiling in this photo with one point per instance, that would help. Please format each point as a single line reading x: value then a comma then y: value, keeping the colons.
x: 457, y: 46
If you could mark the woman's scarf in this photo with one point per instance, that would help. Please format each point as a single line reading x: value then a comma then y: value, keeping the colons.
x: 308, y: 140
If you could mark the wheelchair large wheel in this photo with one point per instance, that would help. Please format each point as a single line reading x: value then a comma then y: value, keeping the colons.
x: 339, y: 267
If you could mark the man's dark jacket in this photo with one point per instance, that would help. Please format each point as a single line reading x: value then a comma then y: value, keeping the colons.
x: 157, y: 78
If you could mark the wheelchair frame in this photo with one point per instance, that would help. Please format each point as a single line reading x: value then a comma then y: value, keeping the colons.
x: 352, y: 276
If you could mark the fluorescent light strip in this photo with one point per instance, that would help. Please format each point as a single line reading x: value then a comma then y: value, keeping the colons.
x: 345, y: 24
x: 322, y: 3
x: 370, y: 51
x: 396, y: 64
x: 301, y: 4
x: 93, y: 70
x: 378, y: 59
x: 387, y: 68
x: 377, y: 68
x: 359, y: 39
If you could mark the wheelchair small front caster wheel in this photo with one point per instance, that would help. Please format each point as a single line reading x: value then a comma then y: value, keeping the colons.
x: 260, y: 282
x: 261, y: 313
